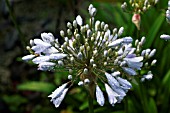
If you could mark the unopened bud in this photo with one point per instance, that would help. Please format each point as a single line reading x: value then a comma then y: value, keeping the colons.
x: 69, y: 25
x: 136, y: 19
x: 70, y: 71
x: 106, y: 27
x: 75, y: 24
x: 85, y: 71
x: 80, y: 83
x: 69, y: 32
x: 153, y: 62
x: 89, y: 33
x: 62, y: 33
x: 60, y: 63
x: 31, y: 42
x: 120, y: 32
x: 97, y: 25
x: 94, y: 65
x: 69, y: 77
x: 79, y: 56
x: 86, y: 81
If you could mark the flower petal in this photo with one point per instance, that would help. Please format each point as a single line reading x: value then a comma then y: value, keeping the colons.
x: 129, y: 71
x: 47, y: 37
x: 41, y: 59
x: 57, y: 101
x: 99, y: 96
x: 28, y: 57
x: 57, y: 56
x: 58, y: 91
x: 124, y: 82
x: 111, y: 95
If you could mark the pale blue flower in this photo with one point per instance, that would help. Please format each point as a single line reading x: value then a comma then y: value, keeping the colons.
x: 28, y: 57
x: 99, y: 96
x: 111, y: 95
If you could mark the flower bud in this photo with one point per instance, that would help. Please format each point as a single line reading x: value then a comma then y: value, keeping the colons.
x: 136, y: 19
x: 69, y: 32
x: 86, y: 81
x: 31, y: 42
x: 91, y: 61
x: 75, y: 24
x: 69, y: 25
x: 70, y: 71
x: 60, y: 63
x: 114, y: 31
x: 89, y: 33
x: 62, y: 33
x: 124, y: 6
x: 85, y: 71
x: 153, y: 62
x: 79, y: 20
x: 69, y: 77
x: 102, y: 25
x: 120, y: 32
x: 80, y: 55
x: 94, y: 65
x: 80, y: 83
x: 106, y: 27
x: 97, y: 25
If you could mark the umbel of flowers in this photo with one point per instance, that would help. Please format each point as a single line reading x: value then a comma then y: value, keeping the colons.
x: 95, y: 54
x: 137, y: 7
x: 165, y: 36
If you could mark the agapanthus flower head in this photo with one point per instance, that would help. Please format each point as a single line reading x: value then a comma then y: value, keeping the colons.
x: 92, y: 53
x: 137, y: 7
x: 168, y: 13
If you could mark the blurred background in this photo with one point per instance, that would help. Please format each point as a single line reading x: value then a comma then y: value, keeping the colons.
x: 24, y: 89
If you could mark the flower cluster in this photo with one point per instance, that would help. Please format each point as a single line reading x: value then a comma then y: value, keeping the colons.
x: 92, y: 53
x: 137, y: 7
x: 164, y: 36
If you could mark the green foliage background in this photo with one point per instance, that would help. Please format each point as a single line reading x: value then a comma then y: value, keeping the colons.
x: 149, y: 97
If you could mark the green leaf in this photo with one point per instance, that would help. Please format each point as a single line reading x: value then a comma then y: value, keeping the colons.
x: 14, y: 101
x: 154, y: 30
x: 152, y: 106
x: 37, y: 86
x: 166, y: 82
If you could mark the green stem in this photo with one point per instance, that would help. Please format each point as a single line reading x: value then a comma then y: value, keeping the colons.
x: 22, y: 38
x: 90, y: 99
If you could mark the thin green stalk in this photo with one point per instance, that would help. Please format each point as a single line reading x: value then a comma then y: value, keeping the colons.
x: 21, y: 36
x: 90, y: 99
